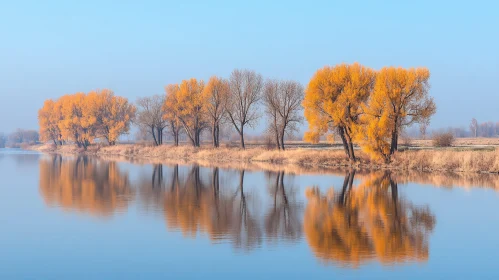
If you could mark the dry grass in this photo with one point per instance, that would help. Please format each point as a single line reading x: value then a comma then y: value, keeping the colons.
x: 421, y: 160
x: 299, y: 157
x: 460, y: 142
x: 447, y: 160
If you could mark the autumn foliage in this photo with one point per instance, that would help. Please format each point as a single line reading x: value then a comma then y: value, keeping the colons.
x: 365, y: 222
x: 81, y: 118
x: 366, y: 107
x: 360, y: 106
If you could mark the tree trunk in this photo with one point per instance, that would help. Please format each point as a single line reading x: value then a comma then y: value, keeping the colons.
x: 197, y: 137
x: 159, y: 136
x: 351, y: 153
x: 154, y: 136
x: 282, y: 140
x: 394, y: 144
x: 214, y: 135
x: 217, y: 135
x: 341, y: 132
x: 276, y: 132
x: 277, y: 142
x: 241, y: 135
x: 395, y: 136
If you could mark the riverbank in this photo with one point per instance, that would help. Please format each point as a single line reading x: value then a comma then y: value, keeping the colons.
x: 483, y: 161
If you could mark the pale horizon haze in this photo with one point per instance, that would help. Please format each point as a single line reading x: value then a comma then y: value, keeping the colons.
x: 135, y: 48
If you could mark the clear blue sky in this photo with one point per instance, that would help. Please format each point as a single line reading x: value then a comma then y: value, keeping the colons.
x: 49, y: 48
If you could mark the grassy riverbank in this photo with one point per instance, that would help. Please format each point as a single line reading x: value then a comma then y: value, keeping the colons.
x: 451, y: 160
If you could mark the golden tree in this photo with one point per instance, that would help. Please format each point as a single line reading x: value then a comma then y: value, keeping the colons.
x: 216, y: 93
x: 114, y: 115
x: 192, y: 109
x: 171, y: 109
x: 81, y: 118
x: 400, y: 99
x: 333, y: 101
x: 49, y: 117
x: 90, y: 112
x: 72, y: 123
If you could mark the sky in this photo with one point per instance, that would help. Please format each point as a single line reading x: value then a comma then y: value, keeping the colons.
x: 135, y: 48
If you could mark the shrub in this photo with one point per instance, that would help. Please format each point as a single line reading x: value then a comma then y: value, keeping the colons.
x: 24, y: 146
x: 270, y: 143
x: 406, y: 140
x: 443, y: 139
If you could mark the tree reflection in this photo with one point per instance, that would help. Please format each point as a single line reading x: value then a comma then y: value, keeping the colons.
x: 367, y: 222
x: 356, y: 224
x: 201, y: 202
x: 84, y: 184
x: 195, y: 205
x: 283, y: 216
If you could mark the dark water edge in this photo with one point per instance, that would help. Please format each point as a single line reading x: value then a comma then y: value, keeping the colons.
x: 84, y: 217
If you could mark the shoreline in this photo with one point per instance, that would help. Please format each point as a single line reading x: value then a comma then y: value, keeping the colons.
x: 428, y: 160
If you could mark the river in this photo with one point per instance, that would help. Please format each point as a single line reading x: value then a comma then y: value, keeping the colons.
x: 70, y: 217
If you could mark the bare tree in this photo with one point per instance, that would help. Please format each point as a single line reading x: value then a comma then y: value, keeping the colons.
x: 282, y: 100
x: 423, y: 127
x: 24, y: 136
x: 3, y: 140
x: 271, y: 103
x: 474, y: 127
x: 150, y: 116
x: 245, y: 92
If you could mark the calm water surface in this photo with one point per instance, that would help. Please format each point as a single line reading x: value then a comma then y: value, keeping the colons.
x: 65, y: 217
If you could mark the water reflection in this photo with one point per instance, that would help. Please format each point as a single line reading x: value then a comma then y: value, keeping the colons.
x: 348, y: 226
x: 366, y: 222
x: 201, y: 202
x: 22, y: 159
x: 84, y: 184
x: 283, y: 218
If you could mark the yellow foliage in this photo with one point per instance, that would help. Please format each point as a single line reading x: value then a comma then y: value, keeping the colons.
x: 49, y: 117
x: 400, y: 98
x: 367, y: 222
x: 333, y: 101
x: 84, y: 185
x: 192, y: 106
x: 81, y: 118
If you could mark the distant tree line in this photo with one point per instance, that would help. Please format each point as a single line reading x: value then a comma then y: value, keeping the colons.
x: 487, y: 129
x: 18, y: 138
